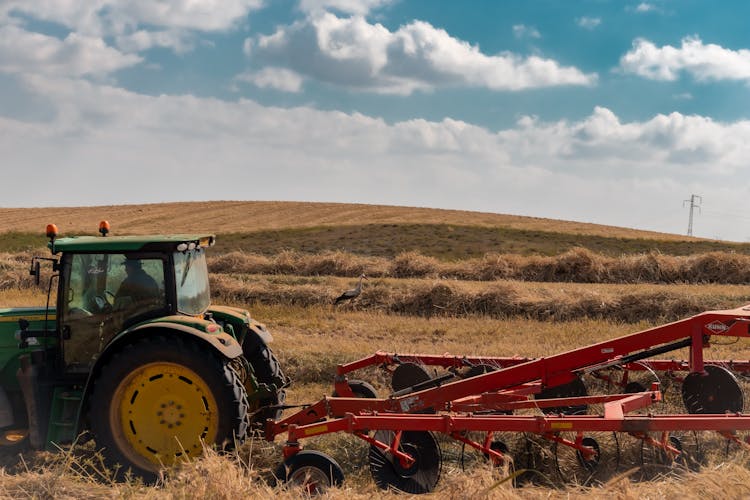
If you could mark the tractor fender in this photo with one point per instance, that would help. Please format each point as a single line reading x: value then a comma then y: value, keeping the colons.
x: 241, y: 318
x: 222, y: 342
x: 6, y: 412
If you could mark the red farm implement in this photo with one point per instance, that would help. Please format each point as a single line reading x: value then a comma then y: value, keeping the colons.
x: 486, y: 402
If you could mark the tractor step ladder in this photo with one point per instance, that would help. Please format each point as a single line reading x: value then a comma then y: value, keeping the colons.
x: 63, y: 416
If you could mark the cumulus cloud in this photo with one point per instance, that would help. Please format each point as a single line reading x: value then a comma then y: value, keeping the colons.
x: 111, y: 17
x: 136, y: 24
x: 588, y: 23
x: 353, y: 53
x: 275, y: 78
x: 75, y: 55
x: 703, y: 62
x: 532, y: 168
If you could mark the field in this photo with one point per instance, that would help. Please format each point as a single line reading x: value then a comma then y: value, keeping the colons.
x: 440, y: 282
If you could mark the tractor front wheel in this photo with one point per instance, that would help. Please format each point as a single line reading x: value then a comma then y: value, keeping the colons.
x: 159, y: 400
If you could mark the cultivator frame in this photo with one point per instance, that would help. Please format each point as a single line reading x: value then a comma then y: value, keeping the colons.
x: 481, y: 394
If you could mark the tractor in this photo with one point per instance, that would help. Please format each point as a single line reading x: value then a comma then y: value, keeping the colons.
x: 130, y: 351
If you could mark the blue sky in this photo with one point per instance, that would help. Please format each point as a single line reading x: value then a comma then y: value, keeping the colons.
x: 611, y: 112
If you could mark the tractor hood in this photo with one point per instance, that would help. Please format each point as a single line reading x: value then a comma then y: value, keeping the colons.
x: 34, y: 315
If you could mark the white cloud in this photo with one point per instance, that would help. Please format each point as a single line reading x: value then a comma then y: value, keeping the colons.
x: 141, y: 40
x: 701, y: 61
x: 569, y: 170
x: 275, y: 78
x: 136, y: 24
x: 353, y: 53
x: 588, y: 23
x: 523, y: 31
x: 645, y: 7
x: 113, y: 17
x: 75, y: 55
x: 359, y: 7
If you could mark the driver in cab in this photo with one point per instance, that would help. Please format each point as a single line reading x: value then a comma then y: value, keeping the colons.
x: 138, y: 290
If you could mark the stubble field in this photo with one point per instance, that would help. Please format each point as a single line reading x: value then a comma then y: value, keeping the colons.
x: 560, y: 286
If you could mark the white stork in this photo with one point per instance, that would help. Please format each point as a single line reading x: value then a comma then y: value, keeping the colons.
x: 351, y: 294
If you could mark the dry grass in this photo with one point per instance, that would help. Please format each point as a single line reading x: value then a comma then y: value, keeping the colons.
x: 216, y: 476
x: 303, y: 340
x: 248, y: 216
x: 499, y: 299
x: 577, y: 265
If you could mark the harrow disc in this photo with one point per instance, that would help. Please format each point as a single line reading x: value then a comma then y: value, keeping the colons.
x: 716, y: 391
x: 408, y: 374
x: 420, y: 477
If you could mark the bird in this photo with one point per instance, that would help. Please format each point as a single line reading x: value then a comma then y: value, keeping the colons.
x: 351, y: 294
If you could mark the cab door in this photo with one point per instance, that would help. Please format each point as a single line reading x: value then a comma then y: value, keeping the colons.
x: 87, y: 315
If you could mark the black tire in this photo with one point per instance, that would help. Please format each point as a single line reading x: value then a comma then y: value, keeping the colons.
x: 267, y: 370
x: 164, y: 390
x: 312, y: 470
x: 361, y: 389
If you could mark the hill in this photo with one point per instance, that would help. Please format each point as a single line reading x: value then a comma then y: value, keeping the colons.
x: 266, y: 227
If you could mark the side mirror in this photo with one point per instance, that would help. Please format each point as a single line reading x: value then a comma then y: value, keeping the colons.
x: 34, y: 271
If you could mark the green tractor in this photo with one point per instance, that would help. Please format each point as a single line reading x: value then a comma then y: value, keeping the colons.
x: 133, y: 354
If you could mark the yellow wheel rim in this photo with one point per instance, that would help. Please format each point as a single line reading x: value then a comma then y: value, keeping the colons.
x: 162, y: 413
x: 13, y: 436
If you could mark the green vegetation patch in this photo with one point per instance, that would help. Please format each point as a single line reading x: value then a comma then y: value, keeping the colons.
x: 16, y: 241
x: 452, y: 242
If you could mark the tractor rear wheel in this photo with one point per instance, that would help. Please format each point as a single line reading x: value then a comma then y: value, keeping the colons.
x: 267, y: 370
x: 159, y: 400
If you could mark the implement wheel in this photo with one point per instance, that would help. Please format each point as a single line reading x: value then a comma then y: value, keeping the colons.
x: 312, y: 470
x: 360, y: 389
x: 573, y: 389
x: 421, y: 477
x: 159, y: 400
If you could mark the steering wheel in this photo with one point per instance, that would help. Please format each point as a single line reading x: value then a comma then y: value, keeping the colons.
x: 102, y: 303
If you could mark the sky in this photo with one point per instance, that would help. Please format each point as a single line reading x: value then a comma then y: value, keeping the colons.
x: 606, y: 111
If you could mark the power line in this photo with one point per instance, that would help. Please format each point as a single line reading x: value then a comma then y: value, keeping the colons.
x: 693, y: 205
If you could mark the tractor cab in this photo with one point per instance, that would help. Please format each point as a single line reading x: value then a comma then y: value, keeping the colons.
x: 108, y: 285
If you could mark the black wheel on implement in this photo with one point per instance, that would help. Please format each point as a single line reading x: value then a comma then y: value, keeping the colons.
x: 361, y: 389
x: 312, y: 470
x: 420, y: 477
x: 158, y: 400
x: 573, y: 389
